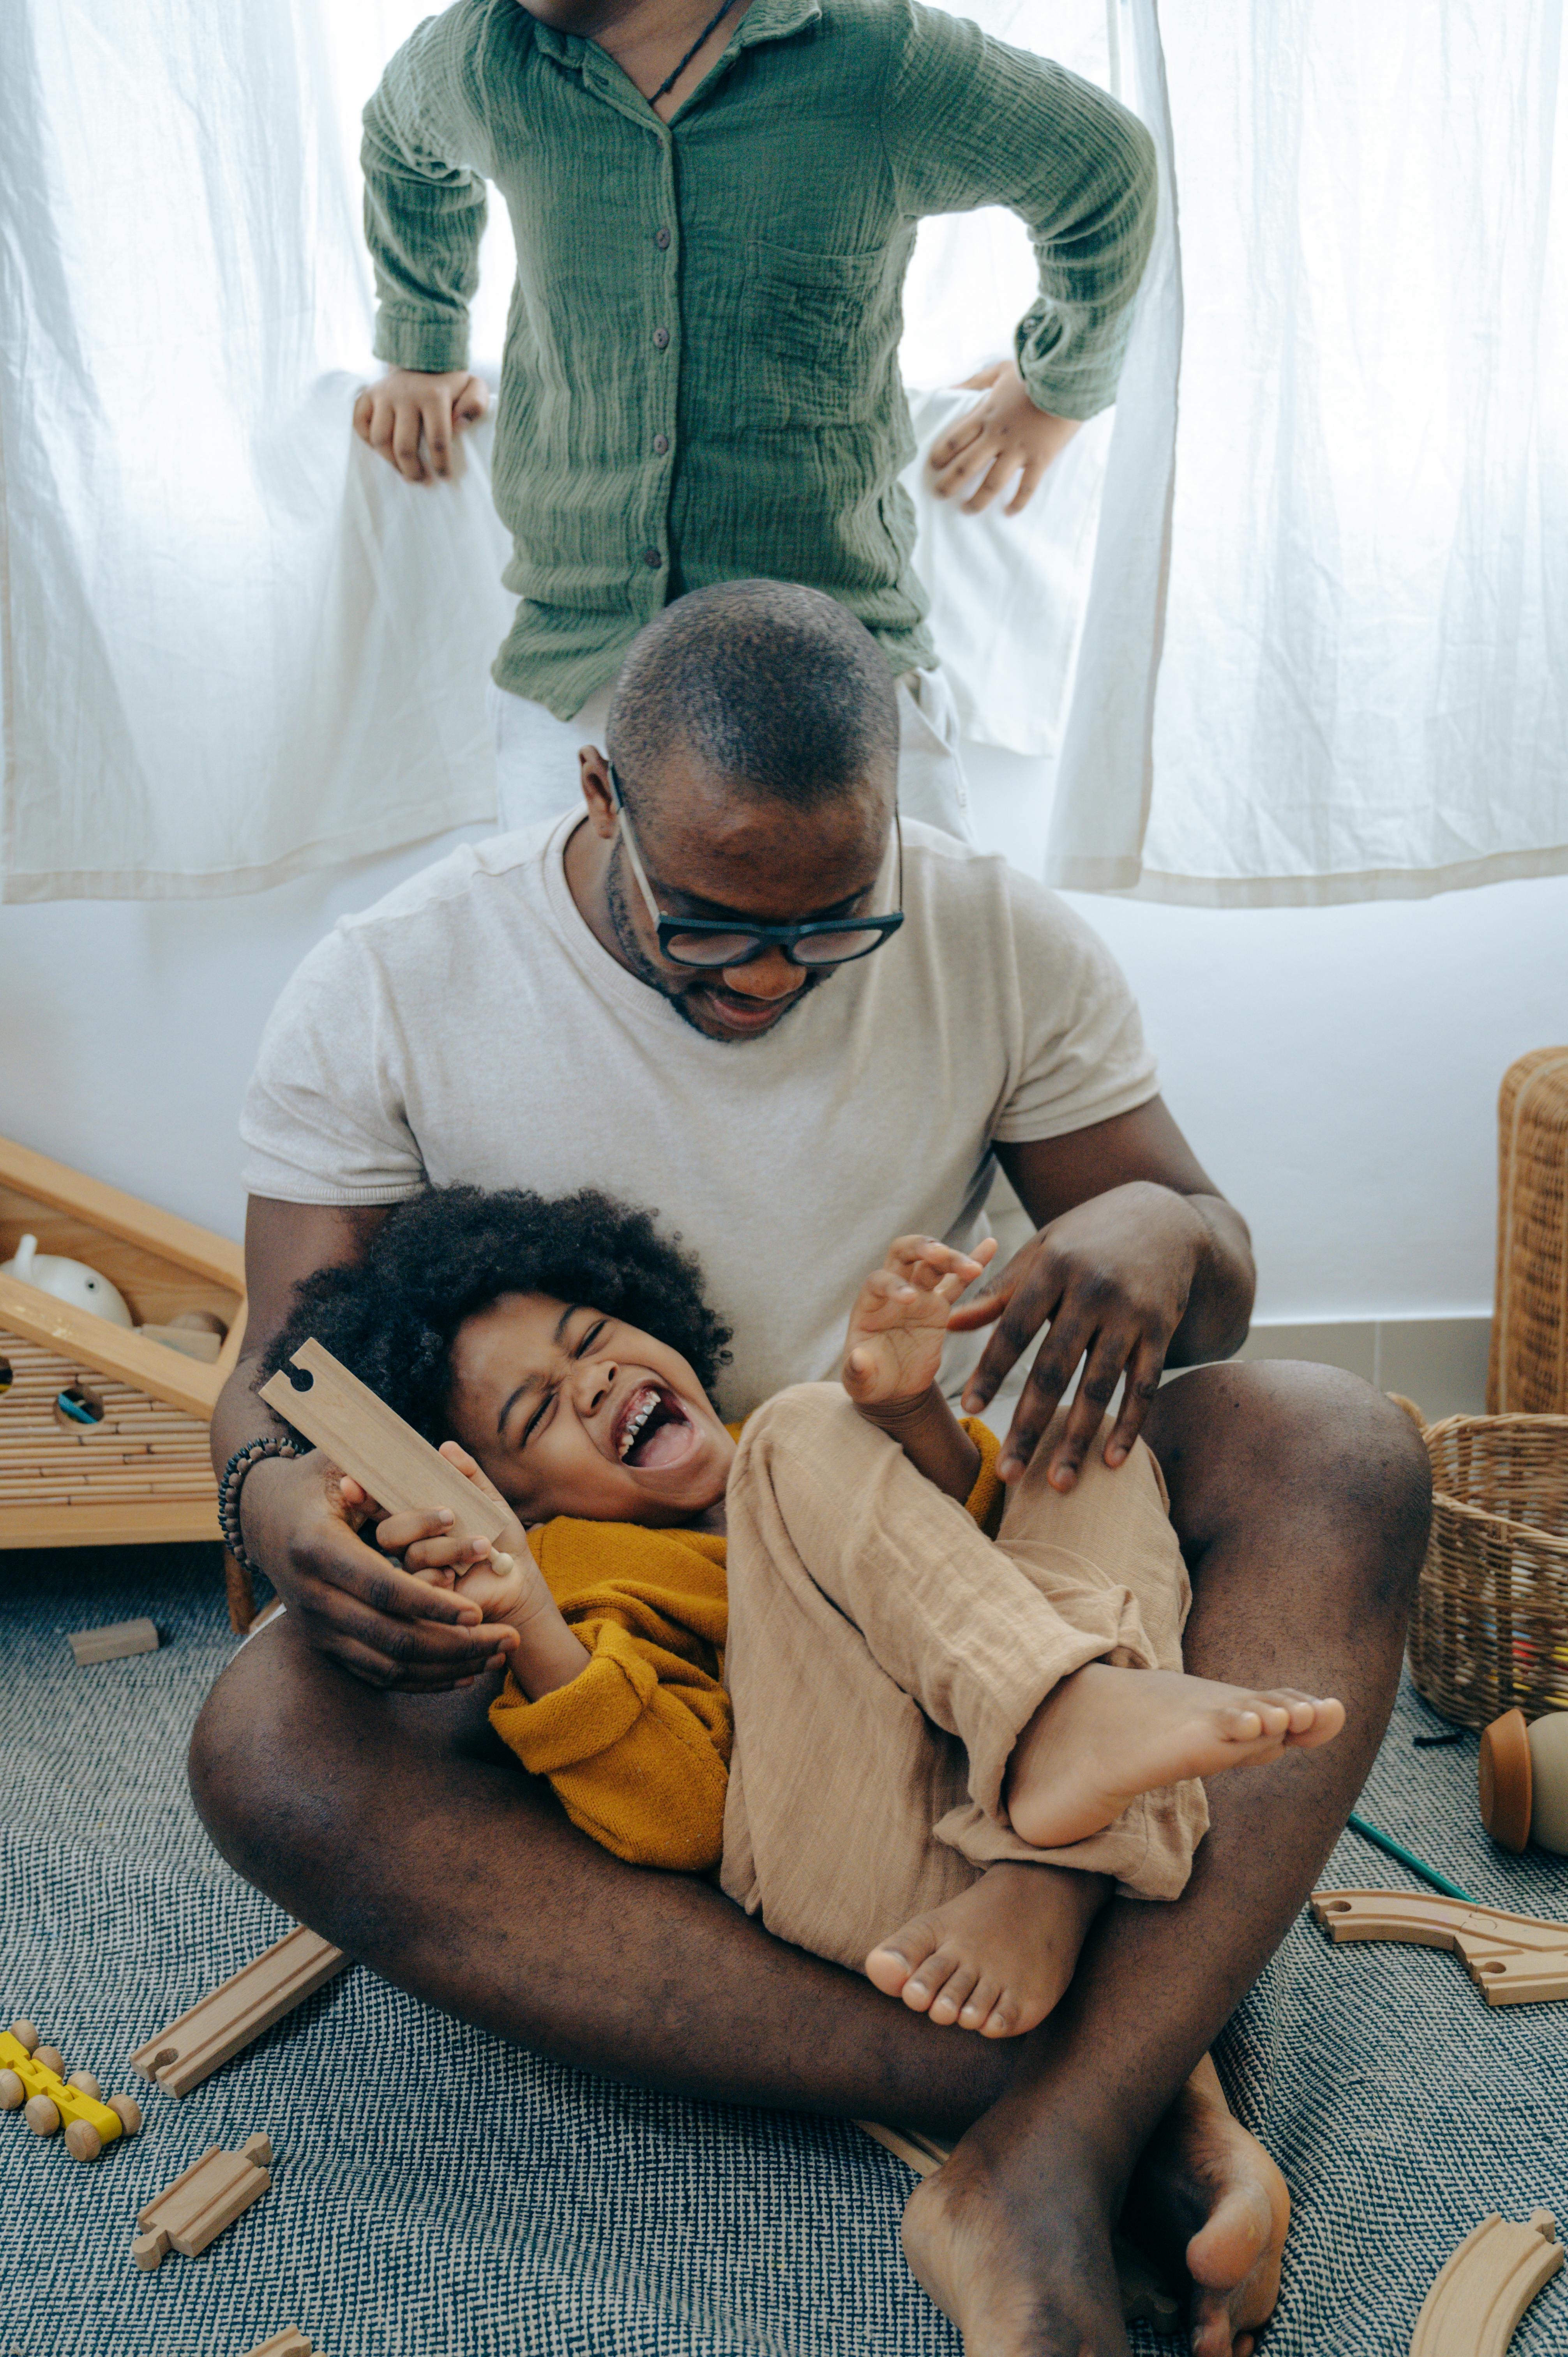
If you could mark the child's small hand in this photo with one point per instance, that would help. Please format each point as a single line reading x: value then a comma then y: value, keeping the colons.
x: 432, y: 1552
x: 413, y: 418
x: 898, y: 1326
x: 1001, y: 437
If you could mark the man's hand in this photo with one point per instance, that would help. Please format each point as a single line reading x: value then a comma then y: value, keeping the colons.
x: 1001, y: 437
x: 899, y: 1321
x: 413, y: 418
x: 300, y: 1520
x: 1111, y: 1278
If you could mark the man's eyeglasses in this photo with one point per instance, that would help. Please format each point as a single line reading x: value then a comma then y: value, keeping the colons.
x: 716, y: 942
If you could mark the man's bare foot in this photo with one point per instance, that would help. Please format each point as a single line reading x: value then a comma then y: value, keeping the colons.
x: 998, y: 1956
x: 1104, y: 1735
x: 1207, y: 2197
x: 1018, y: 2251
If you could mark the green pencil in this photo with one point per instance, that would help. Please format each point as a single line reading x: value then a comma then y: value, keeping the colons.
x: 1408, y: 1857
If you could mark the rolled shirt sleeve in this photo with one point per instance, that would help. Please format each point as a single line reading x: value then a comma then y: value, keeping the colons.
x: 421, y: 154
x: 967, y: 122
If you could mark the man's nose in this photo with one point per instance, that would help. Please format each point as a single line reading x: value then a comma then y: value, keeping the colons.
x: 769, y: 976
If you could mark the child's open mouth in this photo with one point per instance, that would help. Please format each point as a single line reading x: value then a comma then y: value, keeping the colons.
x: 653, y: 1429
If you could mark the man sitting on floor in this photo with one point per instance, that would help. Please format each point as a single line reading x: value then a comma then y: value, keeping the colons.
x: 528, y: 1012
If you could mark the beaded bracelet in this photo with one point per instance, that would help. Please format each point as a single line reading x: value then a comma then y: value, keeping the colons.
x: 242, y: 1461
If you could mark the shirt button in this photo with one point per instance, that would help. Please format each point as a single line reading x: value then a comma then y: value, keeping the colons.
x: 660, y: 444
x: 661, y: 239
x: 653, y: 559
x: 662, y: 336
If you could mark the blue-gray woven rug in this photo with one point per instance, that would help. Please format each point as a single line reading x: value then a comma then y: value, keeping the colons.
x: 439, y: 2194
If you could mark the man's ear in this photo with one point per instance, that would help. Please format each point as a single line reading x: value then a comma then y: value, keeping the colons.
x: 594, y: 770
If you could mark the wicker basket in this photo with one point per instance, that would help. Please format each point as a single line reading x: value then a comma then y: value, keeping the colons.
x: 1490, y: 1628
x: 1529, y: 1371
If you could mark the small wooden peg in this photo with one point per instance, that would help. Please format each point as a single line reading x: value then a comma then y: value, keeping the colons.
x: 88, y: 2083
x: 82, y: 2140
x: 50, y: 2058
x: 26, y: 2034
x: 13, y: 2094
x: 41, y: 2115
x: 127, y: 2110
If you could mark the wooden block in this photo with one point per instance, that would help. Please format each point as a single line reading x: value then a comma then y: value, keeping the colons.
x: 366, y: 1438
x: 93, y: 1521
x: 249, y: 2001
x: 204, y: 2198
x: 1474, y: 2306
x: 120, y: 1638
x: 289, y: 2343
x: 197, y: 1342
x: 1512, y: 1959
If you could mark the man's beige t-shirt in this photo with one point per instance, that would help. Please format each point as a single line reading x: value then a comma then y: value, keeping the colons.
x: 470, y: 1028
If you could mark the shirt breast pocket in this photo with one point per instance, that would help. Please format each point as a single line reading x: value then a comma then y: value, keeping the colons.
x: 819, y: 332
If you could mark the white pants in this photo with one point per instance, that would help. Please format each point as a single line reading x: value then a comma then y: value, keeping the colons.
x: 538, y: 778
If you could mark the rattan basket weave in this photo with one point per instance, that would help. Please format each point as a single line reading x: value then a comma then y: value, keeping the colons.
x: 1490, y: 1633
x: 1529, y: 1371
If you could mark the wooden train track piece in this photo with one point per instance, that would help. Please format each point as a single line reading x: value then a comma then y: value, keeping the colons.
x: 33, y: 2081
x: 1145, y: 2299
x: 1474, y: 2307
x: 249, y: 2001
x: 366, y: 1439
x: 204, y: 2198
x: 288, y: 2343
x: 114, y: 1643
x: 1512, y: 1959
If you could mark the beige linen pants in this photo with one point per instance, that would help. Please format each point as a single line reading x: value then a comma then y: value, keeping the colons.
x: 883, y: 1656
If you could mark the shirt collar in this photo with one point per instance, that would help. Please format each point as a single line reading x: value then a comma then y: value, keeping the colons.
x: 765, y: 20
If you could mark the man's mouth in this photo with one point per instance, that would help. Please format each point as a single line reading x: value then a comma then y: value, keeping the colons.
x: 652, y: 1429
x: 739, y: 1013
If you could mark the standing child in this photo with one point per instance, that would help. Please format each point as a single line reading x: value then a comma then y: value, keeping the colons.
x: 712, y: 214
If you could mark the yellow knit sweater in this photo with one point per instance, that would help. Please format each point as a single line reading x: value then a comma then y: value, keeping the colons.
x: 638, y: 1745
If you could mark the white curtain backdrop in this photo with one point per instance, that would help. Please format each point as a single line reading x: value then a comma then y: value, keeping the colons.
x: 1293, y: 618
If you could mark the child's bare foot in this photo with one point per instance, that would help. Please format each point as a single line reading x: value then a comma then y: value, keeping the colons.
x: 997, y: 1957
x: 1104, y: 1735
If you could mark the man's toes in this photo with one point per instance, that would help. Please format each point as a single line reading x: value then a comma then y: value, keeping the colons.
x: 949, y: 1999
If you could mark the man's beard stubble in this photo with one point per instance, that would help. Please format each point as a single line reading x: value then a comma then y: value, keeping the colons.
x: 656, y: 979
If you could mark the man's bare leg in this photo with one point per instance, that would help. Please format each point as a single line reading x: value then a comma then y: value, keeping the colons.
x: 398, y: 1827
x: 1302, y: 1498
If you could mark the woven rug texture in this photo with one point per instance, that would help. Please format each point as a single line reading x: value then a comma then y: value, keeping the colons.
x: 439, y: 2194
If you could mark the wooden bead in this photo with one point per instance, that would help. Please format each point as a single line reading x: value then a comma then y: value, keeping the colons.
x: 82, y: 2140
x: 88, y: 2083
x: 50, y: 2058
x: 127, y: 2110
x: 41, y: 2117
x: 25, y: 2035
x: 13, y: 2094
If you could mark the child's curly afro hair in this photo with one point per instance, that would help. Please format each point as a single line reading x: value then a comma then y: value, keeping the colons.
x: 447, y: 1254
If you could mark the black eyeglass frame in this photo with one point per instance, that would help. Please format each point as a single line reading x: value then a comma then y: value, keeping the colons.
x: 762, y: 937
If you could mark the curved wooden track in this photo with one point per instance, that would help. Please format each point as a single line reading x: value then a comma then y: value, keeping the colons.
x: 1512, y: 1959
x: 1474, y: 2307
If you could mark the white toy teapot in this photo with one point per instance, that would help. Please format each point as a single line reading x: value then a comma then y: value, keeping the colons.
x: 68, y: 1280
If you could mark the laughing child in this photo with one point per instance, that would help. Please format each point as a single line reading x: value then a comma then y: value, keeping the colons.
x: 917, y: 1722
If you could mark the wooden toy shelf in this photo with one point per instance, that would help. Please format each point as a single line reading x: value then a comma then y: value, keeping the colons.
x: 132, y: 1464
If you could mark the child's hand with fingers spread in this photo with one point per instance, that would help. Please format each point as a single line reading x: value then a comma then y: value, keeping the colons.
x: 1001, y: 437
x: 898, y: 1326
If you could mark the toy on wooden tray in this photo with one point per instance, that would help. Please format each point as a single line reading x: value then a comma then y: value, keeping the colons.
x: 204, y: 2198
x: 1524, y: 1781
x: 104, y: 1422
x: 369, y: 1441
x: 68, y: 1280
x: 1474, y: 2306
x: 249, y: 2001
x: 1512, y: 1959
x: 33, y: 2081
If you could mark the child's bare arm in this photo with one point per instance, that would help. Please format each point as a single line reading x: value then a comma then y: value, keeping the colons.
x: 506, y: 1584
x: 893, y: 1352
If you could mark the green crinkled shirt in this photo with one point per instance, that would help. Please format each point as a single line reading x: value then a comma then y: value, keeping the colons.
x: 701, y: 374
